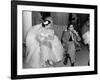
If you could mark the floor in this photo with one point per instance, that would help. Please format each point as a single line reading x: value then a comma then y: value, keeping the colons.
x: 82, y: 58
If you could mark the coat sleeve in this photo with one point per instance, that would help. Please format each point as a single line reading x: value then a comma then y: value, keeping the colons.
x: 78, y: 38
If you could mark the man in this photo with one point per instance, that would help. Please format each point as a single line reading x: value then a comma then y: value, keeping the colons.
x: 69, y: 39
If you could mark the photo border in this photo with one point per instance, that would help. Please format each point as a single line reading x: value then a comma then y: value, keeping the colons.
x: 14, y: 39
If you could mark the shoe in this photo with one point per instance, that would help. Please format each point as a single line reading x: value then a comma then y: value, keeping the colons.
x: 72, y: 64
x: 88, y: 64
x: 65, y: 63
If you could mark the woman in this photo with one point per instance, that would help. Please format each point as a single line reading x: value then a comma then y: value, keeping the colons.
x: 86, y: 36
x: 86, y: 33
x: 69, y: 39
x: 43, y: 47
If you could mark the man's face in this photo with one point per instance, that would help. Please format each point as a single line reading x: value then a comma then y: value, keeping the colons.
x: 71, y: 27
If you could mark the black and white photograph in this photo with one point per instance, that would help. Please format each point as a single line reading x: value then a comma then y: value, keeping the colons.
x: 53, y: 39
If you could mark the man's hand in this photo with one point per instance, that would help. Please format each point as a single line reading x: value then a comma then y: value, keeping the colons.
x: 75, y: 32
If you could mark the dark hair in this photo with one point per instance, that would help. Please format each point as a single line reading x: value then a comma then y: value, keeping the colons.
x: 45, y: 15
x: 69, y: 25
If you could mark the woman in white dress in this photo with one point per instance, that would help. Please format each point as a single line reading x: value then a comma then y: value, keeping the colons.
x: 86, y: 35
x: 43, y: 47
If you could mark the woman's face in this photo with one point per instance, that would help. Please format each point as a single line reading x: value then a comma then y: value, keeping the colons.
x: 71, y: 27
